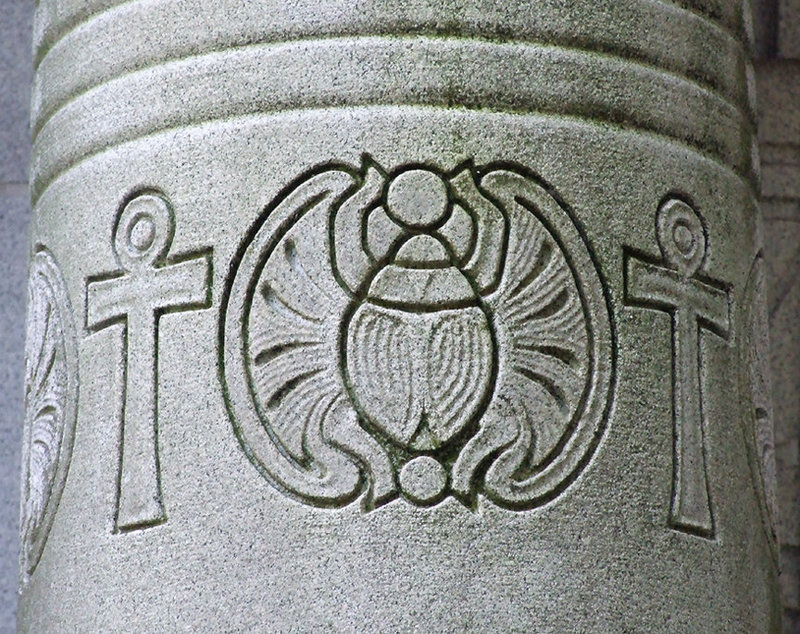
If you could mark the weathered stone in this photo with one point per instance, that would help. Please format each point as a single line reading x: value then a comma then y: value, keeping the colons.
x: 781, y: 206
x: 15, y: 80
x: 397, y: 316
x: 784, y: 236
x: 779, y: 88
x: 781, y: 180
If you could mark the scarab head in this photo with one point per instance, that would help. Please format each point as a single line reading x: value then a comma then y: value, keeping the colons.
x: 421, y: 273
x: 418, y: 199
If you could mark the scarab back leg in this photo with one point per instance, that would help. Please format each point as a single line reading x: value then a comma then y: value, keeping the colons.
x: 500, y: 427
x: 343, y: 432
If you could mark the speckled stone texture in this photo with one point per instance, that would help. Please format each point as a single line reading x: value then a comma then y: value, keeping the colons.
x: 14, y: 214
x: 788, y: 34
x: 226, y: 282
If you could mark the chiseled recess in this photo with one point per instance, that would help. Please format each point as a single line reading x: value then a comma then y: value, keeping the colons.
x: 373, y: 71
x: 101, y: 48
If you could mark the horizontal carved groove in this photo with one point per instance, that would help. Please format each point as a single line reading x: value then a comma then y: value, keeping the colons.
x: 565, y: 121
x: 475, y: 75
x: 142, y: 33
x: 723, y: 12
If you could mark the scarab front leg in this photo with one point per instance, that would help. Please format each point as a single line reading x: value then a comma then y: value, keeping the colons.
x: 352, y: 263
x: 485, y: 266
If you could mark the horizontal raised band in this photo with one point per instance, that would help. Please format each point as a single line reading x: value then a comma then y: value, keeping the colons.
x: 451, y: 73
x: 146, y: 33
x: 55, y: 21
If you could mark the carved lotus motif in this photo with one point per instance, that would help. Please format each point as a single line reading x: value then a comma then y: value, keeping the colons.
x: 418, y: 333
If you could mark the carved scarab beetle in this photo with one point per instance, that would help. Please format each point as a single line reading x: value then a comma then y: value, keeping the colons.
x: 420, y: 346
x: 417, y: 332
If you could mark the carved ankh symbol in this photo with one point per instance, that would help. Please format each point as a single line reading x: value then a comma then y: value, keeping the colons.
x: 145, y: 288
x: 695, y: 303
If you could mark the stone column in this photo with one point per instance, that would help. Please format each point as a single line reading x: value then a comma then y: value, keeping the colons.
x: 396, y: 315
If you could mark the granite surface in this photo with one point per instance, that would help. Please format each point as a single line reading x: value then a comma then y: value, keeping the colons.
x: 183, y: 488
x: 788, y: 33
x: 402, y: 299
x: 14, y: 212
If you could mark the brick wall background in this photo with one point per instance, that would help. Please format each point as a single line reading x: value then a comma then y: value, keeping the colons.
x: 778, y: 73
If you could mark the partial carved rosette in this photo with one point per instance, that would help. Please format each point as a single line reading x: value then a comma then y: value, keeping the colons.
x: 51, y: 394
x: 755, y: 396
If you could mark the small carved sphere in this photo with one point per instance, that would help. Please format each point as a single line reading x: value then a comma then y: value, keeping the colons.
x: 418, y: 199
x: 683, y: 238
x: 423, y: 480
x: 143, y: 233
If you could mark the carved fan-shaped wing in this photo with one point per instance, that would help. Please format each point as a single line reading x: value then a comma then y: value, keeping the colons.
x: 287, y: 354
x: 281, y: 355
x: 555, y: 343
x: 541, y: 307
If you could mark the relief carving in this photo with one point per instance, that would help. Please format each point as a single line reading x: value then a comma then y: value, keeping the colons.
x: 51, y: 403
x: 696, y: 303
x: 755, y: 393
x: 420, y: 333
x: 147, y: 286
